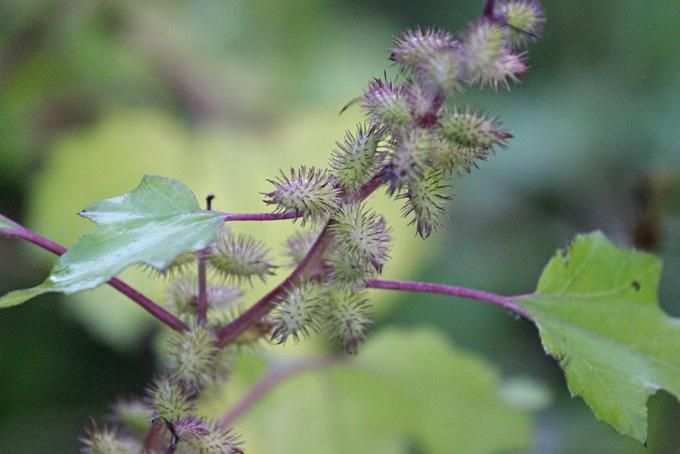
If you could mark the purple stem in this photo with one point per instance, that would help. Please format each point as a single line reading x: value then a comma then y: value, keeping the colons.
x: 489, y: 9
x: 228, y: 217
x: 56, y: 248
x: 274, y: 377
x: 442, y: 289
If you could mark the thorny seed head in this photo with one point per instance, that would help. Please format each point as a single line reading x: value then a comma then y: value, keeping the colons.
x: 194, y: 357
x: 349, y: 271
x: 133, y: 415
x: 307, y: 191
x: 363, y: 234
x: 182, y: 297
x: 170, y: 399
x: 357, y: 158
x: 488, y: 58
x: 196, y: 435
x: 239, y: 257
x: 107, y: 441
x: 414, y: 46
x: 385, y: 104
x: 296, y: 314
x: 347, y: 317
x: 425, y: 200
x: 442, y: 70
x: 525, y: 19
x: 298, y: 245
x: 409, y: 159
x: 472, y: 130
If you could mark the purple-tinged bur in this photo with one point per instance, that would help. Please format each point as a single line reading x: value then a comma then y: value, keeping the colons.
x: 308, y: 191
x: 108, y: 441
x: 357, y: 158
x: 410, y: 157
x: 385, y: 104
x: 348, y: 317
x: 473, y: 130
x: 525, y: 19
x: 414, y: 46
x: 205, y: 437
x: 489, y: 60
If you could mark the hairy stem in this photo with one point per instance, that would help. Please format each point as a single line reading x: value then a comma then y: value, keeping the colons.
x: 450, y: 290
x: 228, y: 217
x: 274, y: 377
x: 56, y: 248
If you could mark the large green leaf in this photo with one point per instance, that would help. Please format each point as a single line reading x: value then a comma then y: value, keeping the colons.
x: 407, y: 391
x: 597, y: 312
x: 153, y: 224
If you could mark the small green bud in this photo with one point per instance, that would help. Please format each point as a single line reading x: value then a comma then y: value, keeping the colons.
x: 170, y: 399
x: 347, y: 317
x: 362, y: 234
x: 386, y: 105
x: 357, y: 159
x: 107, y: 441
x: 194, y: 357
x: 240, y: 257
x: 296, y: 314
x: 309, y: 192
x: 425, y: 200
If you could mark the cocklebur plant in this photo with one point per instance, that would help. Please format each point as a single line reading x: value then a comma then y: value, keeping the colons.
x: 414, y: 141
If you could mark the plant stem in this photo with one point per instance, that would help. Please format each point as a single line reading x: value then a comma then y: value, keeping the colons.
x: 489, y: 9
x: 274, y: 377
x: 228, y: 217
x: 442, y: 289
x: 202, y: 278
x: 56, y: 248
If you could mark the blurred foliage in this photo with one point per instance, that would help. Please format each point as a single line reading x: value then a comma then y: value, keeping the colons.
x: 222, y: 94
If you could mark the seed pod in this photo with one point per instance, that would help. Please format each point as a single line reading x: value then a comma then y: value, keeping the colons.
x: 347, y: 317
x: 240, y: 258
x: 357, y: 159
x: 107, y: 441
x: 409, y: 159
x: 308, y: 191
x: 473, y: 131
x: 425, y: 200
x: 296, y: 314
x: 525, y: 19
x: 414, y: 46
x: 169, y: 399
x: 442, y: 71
x: 487, y: 57
x: 386, y: 105
x: 196, y: 435
x: 362, y: 234
x: 349, y: 271
x: 298, y: 245
x: 194, y: 357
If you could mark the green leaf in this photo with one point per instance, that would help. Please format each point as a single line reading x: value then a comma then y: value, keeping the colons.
x: 597, y: 312
x: 406, y: 391
x: 153, y: 224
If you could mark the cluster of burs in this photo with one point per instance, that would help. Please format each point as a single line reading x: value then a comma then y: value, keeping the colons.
x: 412, y: 143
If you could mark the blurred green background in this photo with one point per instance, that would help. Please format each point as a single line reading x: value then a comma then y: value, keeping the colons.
x: 222, y: 93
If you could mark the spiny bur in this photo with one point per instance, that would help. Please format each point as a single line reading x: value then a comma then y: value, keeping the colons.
x: 298, y: 245
x: 362, y: 233
x: 307, y: 191
x: 347, y: 316
x: 107, y: 441
x: 197, y: 435
x: 170, y: 399
x: 525, y: 19
x: 357, y: 158
x: 239, y: 257
x: 297, y: 313
x: 194, y: 358
x: 425, y: 201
